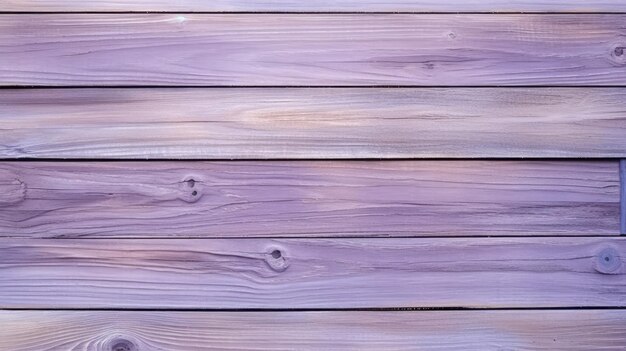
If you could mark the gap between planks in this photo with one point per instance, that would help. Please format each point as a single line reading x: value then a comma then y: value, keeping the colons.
x: 622, y: 173
x: 299, y: 310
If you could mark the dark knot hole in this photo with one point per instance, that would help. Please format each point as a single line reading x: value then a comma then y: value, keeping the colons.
x: 123, y: 346
x: 277, y: 254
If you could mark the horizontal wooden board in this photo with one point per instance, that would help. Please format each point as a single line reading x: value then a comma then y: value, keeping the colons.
x: 318, y: 5
x: 312, y: 49
x: 570, y: 330
x: 316, y: 123
x: 308, y: 198
x: 312, y: 273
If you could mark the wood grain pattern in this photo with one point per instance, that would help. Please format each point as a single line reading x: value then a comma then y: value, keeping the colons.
x: 406, y: 330
x: 322, y: 49
x: 312, y: 273
x: 318, y: 5
x: 313, y: 123
x: 323, y: 198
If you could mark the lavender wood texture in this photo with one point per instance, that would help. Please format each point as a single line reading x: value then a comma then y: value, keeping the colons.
x: 324, y: 198
x: 310, y: 49
x: 313, y: 123
x: 312, y: 273
x: 318, y: 5
x: 574, y: 330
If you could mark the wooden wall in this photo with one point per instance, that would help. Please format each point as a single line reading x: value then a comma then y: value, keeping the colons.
x: 312, y: 175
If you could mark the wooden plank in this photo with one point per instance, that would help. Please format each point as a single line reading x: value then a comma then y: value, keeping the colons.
x: 307, y: 199
x: 228, y: 123
x: 570, y: 330
x: 312, y: 49
x: 452, y: 6
x: 312, y: 273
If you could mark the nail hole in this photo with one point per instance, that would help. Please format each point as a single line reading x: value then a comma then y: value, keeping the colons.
x: 190, y: 189
x: 607, y: 258
x: 276, y: 254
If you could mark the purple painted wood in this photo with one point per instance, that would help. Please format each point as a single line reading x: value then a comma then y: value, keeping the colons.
x: 319, y: 5
x: 574, y: 330
x: 282, y: 198
x: 313, y: 123
x: 323, y: 49
x: 312, y: 273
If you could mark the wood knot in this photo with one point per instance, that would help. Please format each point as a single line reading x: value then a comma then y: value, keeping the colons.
x: 275, y: 258
x: 618, y: 54
x: 451, y: 35
x: 12, y: 190
x: 191, y: 189
x: 120, y: 344
x: 608, y: 261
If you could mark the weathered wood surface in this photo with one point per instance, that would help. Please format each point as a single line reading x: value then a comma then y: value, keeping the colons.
x: 313, y: 123
x: 407, y: 330
x: 318, y: 5
x: 313, y: 49
x: 312, y: 198
x: 312, y: 273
